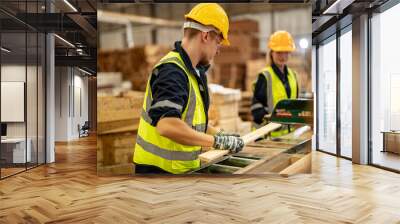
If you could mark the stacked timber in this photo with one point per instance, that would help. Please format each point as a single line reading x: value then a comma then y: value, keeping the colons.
x: 224, y: 109
x: 111, y: 84
x: 118, y: 120
x: 229, y: 68
x: 245, y: 105
x: 135, y: 63
x: 253, y: 67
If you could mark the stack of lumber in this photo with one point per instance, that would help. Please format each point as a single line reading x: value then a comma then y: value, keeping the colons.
x: 229, y: 68
x: 244, y: 106
x: 244, y: 43
x: 230, y: 75
x: 118, y: 120
x: 135, y: 64
x: 253, y: 68
x: 224, y: 109
x: 111, y: 84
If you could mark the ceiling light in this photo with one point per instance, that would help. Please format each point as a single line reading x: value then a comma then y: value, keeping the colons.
x: 86, y: 72
x: 5, y: 50
x: 70, y: 5
x: 303, y: 43
x: 65, y: 41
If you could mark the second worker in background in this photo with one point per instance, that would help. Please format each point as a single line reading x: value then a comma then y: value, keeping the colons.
x: 275, y: 82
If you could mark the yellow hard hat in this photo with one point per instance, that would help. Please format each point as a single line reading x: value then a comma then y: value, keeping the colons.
x: 281, y: 41
x: 211, y: 14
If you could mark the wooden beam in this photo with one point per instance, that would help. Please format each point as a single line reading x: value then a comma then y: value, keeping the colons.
x: 302, y: 165
x: 213, y: 155
x: 252, y: 136
x: 123, y: 18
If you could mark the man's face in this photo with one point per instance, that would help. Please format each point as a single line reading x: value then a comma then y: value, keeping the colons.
x: 212, y: 43
x: 280, y: 58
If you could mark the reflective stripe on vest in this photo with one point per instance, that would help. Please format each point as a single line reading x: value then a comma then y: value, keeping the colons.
x: 167, y: 154
x: 152, y: 148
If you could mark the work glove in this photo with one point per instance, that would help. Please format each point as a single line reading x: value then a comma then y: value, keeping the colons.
x: 232, y: 143
x: 223, y: 133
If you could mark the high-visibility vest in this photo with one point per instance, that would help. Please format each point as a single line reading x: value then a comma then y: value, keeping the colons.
x: 153, y: 149
x: 277, y: 92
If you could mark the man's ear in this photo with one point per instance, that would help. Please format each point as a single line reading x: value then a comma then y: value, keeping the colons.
x: 204, y: 37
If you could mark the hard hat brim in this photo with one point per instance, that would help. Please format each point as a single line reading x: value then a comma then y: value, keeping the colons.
x: 283, y: 49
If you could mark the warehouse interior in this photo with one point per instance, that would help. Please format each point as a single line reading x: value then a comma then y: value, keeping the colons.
x: 133, y: 37
x: 48, y: 84
x: 343, y: 169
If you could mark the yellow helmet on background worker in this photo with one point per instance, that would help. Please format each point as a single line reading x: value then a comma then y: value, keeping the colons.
x: 211, y: 14
x: 281, y: 41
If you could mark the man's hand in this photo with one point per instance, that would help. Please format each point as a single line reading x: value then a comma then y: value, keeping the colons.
x: 232, y: 143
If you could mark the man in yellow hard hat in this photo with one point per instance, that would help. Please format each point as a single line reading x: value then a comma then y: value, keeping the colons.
x: 174, y: 123
x: 275, y: 82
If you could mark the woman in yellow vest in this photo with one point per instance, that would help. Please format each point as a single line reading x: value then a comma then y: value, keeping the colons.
x: 174, y: 122
x: 275, y: 82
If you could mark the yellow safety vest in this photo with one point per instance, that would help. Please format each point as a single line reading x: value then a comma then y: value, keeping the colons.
x: 153, y: 149
x: 277, y: 92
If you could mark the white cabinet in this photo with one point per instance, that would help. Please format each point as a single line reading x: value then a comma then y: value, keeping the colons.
x: 17, y: 146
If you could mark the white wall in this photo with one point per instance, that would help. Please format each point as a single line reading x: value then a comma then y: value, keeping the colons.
x: 61, y: 103
x: 117, y: 39
x: 113, y: 40
x: 12, y: 73
x: 71, y: 94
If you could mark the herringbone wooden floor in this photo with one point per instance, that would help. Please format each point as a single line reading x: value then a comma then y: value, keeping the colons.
x: 70, y: 192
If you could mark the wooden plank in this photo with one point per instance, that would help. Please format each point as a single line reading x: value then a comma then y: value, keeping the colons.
x: 117, y: 126
x: 119, y: 108
x: 260, y: 132
x: 233, y: 76
x: 212, y: 155
x: 216, y: 154
x: 302, y: 165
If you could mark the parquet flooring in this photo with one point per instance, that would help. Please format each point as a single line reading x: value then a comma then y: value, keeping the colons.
x: 10, y: 171
x: 70, y: 192
x: 386, y: 159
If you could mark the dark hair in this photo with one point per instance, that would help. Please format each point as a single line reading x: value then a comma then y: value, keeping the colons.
x: 190, y: 32
x: 271, y: 60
